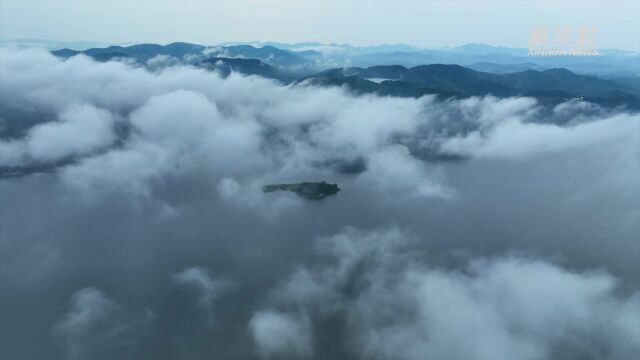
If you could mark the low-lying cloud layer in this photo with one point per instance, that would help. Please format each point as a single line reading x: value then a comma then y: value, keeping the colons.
x: 395, y: 306
x: 469, y: 228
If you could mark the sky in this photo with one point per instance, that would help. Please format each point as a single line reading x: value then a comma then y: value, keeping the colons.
x: 419, y: 23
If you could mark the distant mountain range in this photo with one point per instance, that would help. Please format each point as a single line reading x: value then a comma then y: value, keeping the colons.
x: 225, y: 66
x: 534, y: 79
x: 323, y: 56
x: 140, y: 52
x: 52, y: 44
x: 144, y: 52
x: 552, y: 85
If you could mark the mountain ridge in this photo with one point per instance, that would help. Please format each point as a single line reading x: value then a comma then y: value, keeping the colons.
x: 552, y: 85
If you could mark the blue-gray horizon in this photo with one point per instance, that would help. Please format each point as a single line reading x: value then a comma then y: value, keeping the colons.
x: 423, y: 24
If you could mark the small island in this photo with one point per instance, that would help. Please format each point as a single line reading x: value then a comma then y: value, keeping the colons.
x: 306, y: 190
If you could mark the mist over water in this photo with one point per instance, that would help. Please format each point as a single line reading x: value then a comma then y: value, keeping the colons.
x: 133, y: 224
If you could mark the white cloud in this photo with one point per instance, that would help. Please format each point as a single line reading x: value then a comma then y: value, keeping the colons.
x: 200, y: 148
x: 280, y: 335
x: 184, y: 120
x: 395, y: 173
x: 79, y: 131
x: 208, y: 288
x: 500, y: 308
x: 514, y: 139
x: 95, y: 326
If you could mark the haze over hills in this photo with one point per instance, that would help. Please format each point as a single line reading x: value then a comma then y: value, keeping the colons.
x: 611, y: 62
x: 552, y: 85
x: 313, y: 63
